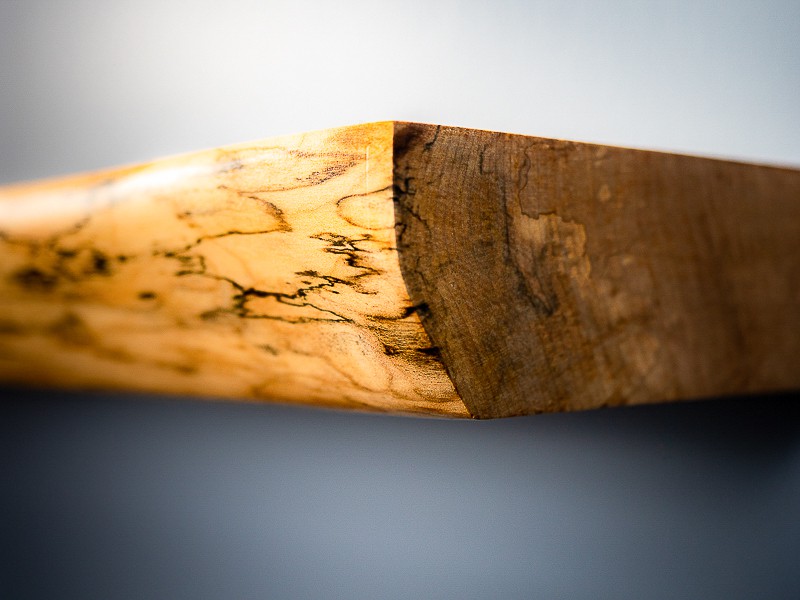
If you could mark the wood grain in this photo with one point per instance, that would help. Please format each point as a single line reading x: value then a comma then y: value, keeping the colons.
x: 564, y: 276
x: 408, y: 268
x: 258, y: 271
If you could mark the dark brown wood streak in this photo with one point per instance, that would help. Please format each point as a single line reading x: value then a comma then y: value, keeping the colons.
x: 407, y: 268
x: 563, y: 276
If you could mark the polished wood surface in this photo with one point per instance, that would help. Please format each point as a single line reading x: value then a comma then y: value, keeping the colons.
x: 258, y: 271
x: 408, y: 268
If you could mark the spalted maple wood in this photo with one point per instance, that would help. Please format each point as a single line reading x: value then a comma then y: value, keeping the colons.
x: 258, y: 271
x: 408, y: 268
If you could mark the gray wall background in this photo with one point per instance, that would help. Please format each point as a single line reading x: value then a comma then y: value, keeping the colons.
x: 112, y: 496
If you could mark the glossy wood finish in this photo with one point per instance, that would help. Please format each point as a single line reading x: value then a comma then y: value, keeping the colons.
x: 259, y: 271
x: 408, y: 268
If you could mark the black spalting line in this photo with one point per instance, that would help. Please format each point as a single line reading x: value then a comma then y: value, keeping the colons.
x: 314, y: 178
x: 69, y: 265
x: 97, y: 263
x: 362, y: 195
x: 406, y: 202
x: 428, y: 145
x: 195, y: 265
x: 34, y: 279
x: 347, y: 247
x: 212, y: 236
x: 271, y: 208
x: 547, y: 303
x: 422, y: 309
x: 431, y: 351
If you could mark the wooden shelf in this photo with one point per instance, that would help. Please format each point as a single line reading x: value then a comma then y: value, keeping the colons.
x: 408, y: 268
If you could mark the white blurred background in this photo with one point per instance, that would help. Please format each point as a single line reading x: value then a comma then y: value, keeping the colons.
x: 91, y: 84
x: 112, y: 496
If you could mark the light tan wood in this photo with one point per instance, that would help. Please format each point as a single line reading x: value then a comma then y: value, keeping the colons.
x: 258, y: 271
x: 408, y: 268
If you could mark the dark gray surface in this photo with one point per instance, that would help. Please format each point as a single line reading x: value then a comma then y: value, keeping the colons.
x: 115, y: 497
x: 118, y: 497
